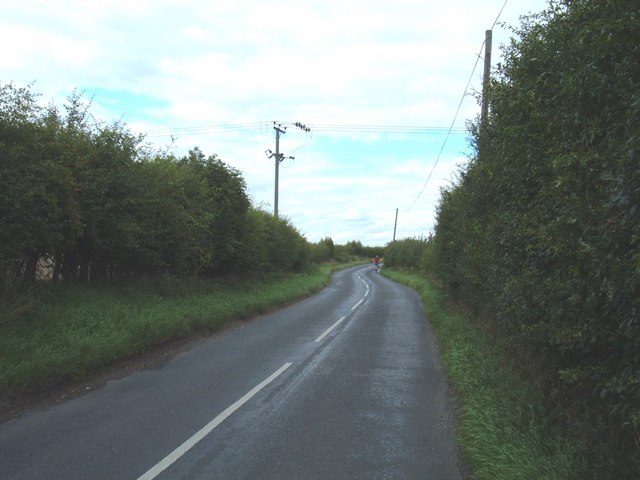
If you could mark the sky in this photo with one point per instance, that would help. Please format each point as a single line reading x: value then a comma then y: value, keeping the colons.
x: 386, y: 89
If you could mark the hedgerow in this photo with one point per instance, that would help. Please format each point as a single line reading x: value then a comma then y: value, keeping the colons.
x: 83, y: 201
x: 541, y: 229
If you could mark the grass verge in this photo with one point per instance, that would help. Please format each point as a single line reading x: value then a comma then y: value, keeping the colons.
x: 506, y: 430
x: 72, y: 332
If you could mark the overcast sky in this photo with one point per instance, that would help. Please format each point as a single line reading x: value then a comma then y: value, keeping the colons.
x: 378, y: 83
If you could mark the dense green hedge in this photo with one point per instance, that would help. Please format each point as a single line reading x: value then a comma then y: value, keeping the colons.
x: 81, y: 200
x: 541, y: 230
x: 326, y: 251
x: 406, y: 254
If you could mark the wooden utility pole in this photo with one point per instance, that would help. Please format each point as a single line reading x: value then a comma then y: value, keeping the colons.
x: 279, y: 158
x: 395, y: 225
x: 486, y: 80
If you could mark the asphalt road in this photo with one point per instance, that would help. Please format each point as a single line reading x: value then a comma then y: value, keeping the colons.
x: 346, y: 384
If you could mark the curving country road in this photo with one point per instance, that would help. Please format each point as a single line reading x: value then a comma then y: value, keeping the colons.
x: 343, y: 385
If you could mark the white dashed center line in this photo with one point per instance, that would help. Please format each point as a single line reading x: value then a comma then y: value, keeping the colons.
x: 328, y: 330
x: 209, y: 427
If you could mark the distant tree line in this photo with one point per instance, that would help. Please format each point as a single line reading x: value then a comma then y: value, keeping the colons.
x: 540, y: 232
x: 328, y: 251
x: 81, y: 200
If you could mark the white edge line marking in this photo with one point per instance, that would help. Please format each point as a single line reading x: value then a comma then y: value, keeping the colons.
x: 208, y: 428
x: 357, y: 304
x: 328, y: 330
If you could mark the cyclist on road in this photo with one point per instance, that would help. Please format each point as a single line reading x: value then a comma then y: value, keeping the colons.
x: 376, y: 262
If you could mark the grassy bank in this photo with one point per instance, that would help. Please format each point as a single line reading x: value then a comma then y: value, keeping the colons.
x: 72, y: 332
x: 506, y: 430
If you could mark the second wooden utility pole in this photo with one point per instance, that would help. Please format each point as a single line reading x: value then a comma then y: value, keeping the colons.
x: 395, y: 225
x: 486, y: 80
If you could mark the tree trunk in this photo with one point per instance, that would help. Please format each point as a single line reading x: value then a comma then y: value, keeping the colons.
x: 31, y: 267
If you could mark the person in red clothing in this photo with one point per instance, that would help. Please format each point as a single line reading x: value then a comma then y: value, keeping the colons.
x: 376, y: 262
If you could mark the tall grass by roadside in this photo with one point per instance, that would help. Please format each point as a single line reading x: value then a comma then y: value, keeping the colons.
x: 74, y: 331
x: 506, y: 429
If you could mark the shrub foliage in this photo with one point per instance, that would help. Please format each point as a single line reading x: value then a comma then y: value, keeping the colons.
x: 541, y: 229
x: 82, y: 201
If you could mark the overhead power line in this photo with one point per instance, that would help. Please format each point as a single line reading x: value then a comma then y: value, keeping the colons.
x: 466, y: 89
x: 318, y: 127
x: 447, y: 137
x: 203, y: 129
x: 499, y: 14
x: 405, y: 129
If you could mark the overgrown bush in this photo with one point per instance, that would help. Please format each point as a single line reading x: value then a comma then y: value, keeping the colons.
x: 406, y: 254
x: 541, y: 230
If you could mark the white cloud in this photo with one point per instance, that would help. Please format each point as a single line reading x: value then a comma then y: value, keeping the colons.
x: 171, y: 64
